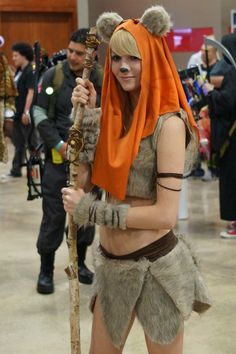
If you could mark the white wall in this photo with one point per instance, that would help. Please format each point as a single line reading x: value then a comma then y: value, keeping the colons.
x: 83, y: 13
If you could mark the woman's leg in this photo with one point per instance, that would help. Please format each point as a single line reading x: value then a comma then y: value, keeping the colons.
x: 100, y: 341
x: 176, y: 347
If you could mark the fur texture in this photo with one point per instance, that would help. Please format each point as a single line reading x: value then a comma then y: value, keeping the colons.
x: 156, y: 20
x: 90, y: 128
x: 90, y: 211
x: 106, y: 23
x: 162, y: 293
x: 81, y: 213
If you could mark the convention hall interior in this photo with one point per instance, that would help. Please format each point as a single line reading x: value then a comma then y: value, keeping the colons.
x: 32, y: 323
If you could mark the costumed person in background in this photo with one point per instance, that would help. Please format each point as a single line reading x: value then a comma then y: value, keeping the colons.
x: 142, y: 269
x: 209, y: 58
x: 52, y: 117
x: 217, y: 75
x: 8, y: 93
x: 205, y: 58
x: 222, y: 112
x: 23, y: 133
x: 222, y: 66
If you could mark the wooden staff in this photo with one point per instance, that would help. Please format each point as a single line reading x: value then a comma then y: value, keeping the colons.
x: 75, y: 145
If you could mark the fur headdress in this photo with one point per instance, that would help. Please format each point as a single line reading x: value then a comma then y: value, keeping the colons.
x: 155, y: 19
x: 160, y: 92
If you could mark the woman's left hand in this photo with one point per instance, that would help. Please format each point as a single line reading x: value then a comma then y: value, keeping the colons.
x: 71, y: 198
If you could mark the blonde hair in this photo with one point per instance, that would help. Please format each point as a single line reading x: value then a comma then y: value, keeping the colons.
x: 123, y: 43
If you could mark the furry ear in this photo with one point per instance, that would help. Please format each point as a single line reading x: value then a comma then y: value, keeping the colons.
x: 106, y: 23
x: 156, y: 20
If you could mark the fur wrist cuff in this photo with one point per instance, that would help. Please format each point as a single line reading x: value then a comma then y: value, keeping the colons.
x: 90, y: 211
x: 90, y: 128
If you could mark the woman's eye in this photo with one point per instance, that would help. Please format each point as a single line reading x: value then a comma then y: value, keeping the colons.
x: 115, y: 57
x: 134, y: 58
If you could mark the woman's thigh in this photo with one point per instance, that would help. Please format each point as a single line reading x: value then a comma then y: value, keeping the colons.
x: 100, y: 340
x: 176, y: 347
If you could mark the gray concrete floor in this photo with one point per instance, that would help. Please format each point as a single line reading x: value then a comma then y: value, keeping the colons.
x: 36, y: 324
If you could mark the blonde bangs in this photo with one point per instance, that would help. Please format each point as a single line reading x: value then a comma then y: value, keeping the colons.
x: 123, y: 43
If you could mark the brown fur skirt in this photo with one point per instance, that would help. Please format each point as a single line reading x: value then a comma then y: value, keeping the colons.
x: 162, y: 293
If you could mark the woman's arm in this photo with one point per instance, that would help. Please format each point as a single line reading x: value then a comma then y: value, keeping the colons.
x: 161, y: 215
x: 84, y: 177
x: 170, y: 159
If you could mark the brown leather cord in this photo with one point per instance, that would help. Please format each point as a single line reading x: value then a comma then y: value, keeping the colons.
x: 168, y: 188
x: 152, y: 252
x: 170, y: 174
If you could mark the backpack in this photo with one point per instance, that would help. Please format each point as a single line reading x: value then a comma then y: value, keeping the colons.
x: 58, y: 78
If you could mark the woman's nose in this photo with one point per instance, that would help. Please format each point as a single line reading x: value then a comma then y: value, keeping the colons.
x: 124, y: 69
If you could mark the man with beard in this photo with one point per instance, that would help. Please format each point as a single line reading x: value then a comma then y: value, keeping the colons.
x: 52, y: 116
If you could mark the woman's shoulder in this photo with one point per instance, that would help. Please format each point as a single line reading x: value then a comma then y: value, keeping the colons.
x: 176, y: 118
x: 176, y: 124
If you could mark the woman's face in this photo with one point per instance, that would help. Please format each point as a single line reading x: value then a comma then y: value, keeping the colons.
x: 127, y: 70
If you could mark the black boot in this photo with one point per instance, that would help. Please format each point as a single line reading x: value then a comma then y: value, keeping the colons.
x: 85, y: 275
x: 45, y: 280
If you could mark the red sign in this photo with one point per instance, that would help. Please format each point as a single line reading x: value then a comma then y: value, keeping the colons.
x: 187, y: 39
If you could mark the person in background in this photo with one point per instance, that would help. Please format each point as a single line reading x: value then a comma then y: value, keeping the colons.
x: 22, y: 55
x: 222, y: 66
x: 141, y: 268
x: 195, y: 59
x: 7, y: 104
x: 217, y: 75
x: 52, y: 117
x: 222, y: 111
x: 209, y: 58
x: 203, y: 58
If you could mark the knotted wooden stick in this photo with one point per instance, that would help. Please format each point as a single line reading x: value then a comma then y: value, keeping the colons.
x: 75, y: 145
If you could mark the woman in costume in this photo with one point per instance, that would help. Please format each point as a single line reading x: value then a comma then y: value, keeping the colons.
x: 142, y: 269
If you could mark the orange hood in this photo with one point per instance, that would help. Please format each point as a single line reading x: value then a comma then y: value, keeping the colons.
x: 161, y: 92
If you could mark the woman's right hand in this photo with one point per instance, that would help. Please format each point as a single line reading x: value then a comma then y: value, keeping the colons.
x: 84, y: 93
x: 71, y: 198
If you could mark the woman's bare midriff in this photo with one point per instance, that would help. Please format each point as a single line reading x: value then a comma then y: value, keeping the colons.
x: 120, y: 242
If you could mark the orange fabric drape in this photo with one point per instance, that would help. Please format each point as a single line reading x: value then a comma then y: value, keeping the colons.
x: 161, y: 92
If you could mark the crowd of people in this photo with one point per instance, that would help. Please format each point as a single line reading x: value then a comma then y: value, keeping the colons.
x: 143, y: 142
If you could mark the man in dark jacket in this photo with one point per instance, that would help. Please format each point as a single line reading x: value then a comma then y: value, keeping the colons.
x: 52, y: 116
